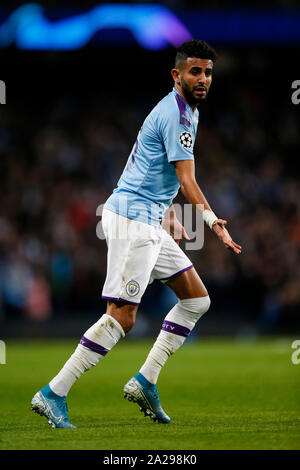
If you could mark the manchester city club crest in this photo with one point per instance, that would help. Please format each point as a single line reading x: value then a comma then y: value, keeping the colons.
x: 132, y: 288
x: 185, y: 139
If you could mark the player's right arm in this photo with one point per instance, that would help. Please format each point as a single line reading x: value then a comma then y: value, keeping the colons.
x: 185, y: 170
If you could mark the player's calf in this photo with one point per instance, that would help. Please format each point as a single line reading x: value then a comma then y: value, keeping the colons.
x: 176, y: 327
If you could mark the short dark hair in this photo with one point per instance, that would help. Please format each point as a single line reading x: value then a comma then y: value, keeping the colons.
x: 194, y: 48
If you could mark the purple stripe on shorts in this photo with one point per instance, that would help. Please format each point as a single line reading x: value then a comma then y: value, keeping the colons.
x: 93, y: 346
x: 175, y: 328
x: 120, y: 300
x: 177, y: 274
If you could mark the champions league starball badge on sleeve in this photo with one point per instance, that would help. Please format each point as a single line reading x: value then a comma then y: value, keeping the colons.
x: 185, y: 139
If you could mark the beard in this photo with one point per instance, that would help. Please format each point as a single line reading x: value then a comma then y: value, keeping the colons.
x: 190, y: 97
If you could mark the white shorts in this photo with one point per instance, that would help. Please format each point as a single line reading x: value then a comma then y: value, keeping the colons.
x: 137, y: 254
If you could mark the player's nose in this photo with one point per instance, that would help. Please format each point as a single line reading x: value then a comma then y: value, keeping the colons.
x: 203, y: 78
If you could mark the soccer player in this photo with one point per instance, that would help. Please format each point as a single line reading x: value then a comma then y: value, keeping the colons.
x: 140, y: 249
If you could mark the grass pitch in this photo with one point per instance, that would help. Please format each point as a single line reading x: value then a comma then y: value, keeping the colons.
x: 220, y: 394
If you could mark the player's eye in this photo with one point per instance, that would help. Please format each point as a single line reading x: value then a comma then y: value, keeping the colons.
x: 208, y: 72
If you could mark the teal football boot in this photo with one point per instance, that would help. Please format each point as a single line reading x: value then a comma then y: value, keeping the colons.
x: 139, y: 390
x: 52, y: 406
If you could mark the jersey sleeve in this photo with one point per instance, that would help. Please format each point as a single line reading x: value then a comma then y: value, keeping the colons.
x: 177, y: 137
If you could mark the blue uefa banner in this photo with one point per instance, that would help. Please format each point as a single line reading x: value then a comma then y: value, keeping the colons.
x: 152, y: 27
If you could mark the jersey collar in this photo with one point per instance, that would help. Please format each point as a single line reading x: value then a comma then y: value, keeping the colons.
x: 183, y: 102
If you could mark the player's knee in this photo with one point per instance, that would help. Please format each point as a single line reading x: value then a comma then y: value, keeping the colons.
x: 128, y: 321
x: 198, y: 306
x: 124, y: 314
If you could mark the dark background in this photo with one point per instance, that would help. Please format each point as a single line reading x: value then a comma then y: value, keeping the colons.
x: 66, y: 131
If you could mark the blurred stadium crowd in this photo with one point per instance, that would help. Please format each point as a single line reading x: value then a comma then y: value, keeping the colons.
x: 59, y: 162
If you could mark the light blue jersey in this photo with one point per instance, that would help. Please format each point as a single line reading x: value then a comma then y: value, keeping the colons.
x: 149, y: 182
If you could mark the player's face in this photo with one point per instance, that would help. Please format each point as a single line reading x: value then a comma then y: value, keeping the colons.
x: 194, y: 79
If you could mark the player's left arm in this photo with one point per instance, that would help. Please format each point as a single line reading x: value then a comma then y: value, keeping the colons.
x: 185, y: 170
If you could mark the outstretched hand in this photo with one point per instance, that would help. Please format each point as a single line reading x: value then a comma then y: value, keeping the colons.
x: 222, y: 233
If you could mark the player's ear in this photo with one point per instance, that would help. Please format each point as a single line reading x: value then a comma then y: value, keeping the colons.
x: 176, y: 75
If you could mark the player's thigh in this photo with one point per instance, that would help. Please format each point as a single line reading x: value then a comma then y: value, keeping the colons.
x: 174, y: 268
x: 130, y: 259
x: 187, y: 285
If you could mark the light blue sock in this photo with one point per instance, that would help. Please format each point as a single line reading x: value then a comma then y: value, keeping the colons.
x: 144, y: 382
x: 48, y: 393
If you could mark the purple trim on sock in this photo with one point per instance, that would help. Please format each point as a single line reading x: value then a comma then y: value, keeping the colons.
x: 120, y: 300
x: 177, y: 274
x: 93, y: 346
x: 176, y: 329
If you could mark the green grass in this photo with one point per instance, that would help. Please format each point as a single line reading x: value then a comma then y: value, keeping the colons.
x: 220, y: 394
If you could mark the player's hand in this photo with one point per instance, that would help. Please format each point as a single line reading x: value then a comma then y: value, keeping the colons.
x: 179, y: 233
x: 222, y: 233
x: 174, y: 228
